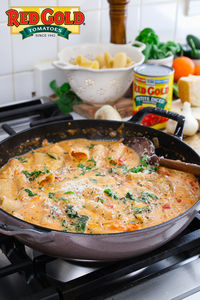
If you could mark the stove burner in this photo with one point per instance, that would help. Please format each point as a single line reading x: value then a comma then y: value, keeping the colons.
x: 29, y: 114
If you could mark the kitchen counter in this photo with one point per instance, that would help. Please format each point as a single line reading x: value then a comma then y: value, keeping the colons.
x: 194, y: 142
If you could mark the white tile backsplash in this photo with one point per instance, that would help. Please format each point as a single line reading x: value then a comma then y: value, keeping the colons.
x: 4, y: 8
x: 33, y: 2
x: 5, y: 50
x: 160, y: 17
x: 24, y: 85
x: 30, y: 51
x: 85, y: 5
x: 89, y: 33
x: 6, y: 89
x: 186, y: 24
x: 105, y: 4
x: 105, y: 27
x: 133, y: 22
x: 156, y: 1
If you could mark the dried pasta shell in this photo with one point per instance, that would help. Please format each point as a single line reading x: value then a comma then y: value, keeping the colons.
x: 100, y: 59
x: 95, y: 65
x: 108, y: 60
x: 81, y: 60
x: 120, y: 60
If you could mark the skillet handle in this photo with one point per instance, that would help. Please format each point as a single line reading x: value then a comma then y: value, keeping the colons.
x: 138, y: 117
x: 30, y: 235
x: 44, y: 121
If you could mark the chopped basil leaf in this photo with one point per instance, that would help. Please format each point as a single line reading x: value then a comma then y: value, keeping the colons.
x: 99, y: 174
x: 46, y: 170
x: 30, y: 193
x: 100, y: 200
x: 111, y: 194
x: 51, y: 195
x: 137, y: 169
x: 147, y: 194
x: 64, y: 225
x: 87, y: 168
x: 81, y: 166
x: 154, y: 168
x: 63, y: 199
x: 33, y: 175
x: 144, y: 160
x: 63, y: 222
x: 71, y: 212
x: 22, y: 159
x: 129, y: 196
x: 80, y: 224
x: 91, y: 146
x: 144, y: 166
x: 69, y: 192
x: 93, y: 161
x: 51, y: 156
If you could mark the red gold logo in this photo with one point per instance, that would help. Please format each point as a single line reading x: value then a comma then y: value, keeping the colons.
x: 29, y: 21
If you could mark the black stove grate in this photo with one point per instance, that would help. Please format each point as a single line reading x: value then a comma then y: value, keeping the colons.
x: 32, y: 113
x: 100, y: 283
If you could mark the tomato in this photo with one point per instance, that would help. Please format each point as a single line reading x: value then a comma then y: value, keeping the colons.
x: 166, y: 206
x: 120, y: 161
x: 110, y: 205
x: 151, y: 119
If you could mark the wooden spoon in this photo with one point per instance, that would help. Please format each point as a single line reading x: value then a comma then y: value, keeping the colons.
x: 175, y: 164
x: 179, y: 165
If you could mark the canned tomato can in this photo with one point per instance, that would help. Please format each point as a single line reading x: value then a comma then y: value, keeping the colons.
x: 153, y: 86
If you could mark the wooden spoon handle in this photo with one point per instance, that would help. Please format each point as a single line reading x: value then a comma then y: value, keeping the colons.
x: 179, y: 165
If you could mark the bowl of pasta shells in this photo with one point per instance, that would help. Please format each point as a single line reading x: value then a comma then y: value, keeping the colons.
x: 100, y: 73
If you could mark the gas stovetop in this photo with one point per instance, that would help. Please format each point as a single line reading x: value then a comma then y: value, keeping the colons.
x: 170, y: 272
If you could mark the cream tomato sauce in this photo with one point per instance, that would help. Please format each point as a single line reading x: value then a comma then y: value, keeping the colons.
x: 93, y: 187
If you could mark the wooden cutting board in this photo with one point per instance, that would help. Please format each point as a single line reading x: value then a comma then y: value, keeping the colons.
x: 124, y: 106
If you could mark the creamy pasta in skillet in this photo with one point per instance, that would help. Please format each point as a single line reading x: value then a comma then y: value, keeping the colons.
x: 93, y: 187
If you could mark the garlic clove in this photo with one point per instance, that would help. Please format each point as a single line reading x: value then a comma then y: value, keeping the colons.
x: 107, y: 112
x: 191, y: 124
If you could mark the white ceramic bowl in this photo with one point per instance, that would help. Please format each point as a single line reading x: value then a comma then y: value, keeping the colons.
x: 167, y: 61
x: 99, y: 86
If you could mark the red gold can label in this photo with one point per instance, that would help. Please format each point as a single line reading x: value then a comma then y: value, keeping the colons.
x: 153, y: 86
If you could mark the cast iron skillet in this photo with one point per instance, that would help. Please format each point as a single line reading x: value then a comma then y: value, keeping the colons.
x: 98, y: 246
